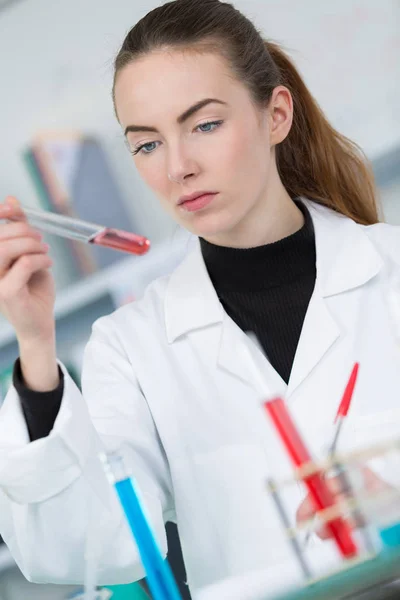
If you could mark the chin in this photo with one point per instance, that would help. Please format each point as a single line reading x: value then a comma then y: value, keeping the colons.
x: 213, y: 221
x: 210, y: 228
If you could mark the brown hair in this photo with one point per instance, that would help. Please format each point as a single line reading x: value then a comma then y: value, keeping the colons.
x: 314, y: 161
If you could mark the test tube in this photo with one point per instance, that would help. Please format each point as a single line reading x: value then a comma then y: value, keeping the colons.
x: 83, y: 231
x: 316, y: 485
x: 159, y: 575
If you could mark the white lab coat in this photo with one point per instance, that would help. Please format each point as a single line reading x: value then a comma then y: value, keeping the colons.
x: 174, y: 384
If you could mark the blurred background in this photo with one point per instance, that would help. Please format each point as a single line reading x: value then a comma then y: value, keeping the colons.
x: 62, y: 149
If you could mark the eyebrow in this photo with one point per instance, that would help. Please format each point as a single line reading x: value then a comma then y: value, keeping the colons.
x: 181, y: 119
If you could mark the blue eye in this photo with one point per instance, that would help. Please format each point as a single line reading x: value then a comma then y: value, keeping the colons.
x: 211, y: 126
x: 146, y: 146
x: 142, y: 148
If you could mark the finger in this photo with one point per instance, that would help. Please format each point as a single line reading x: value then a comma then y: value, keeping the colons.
x: 11, y: 250
x: 12, y: 207
x: 21, y: 272
x: 12, y: 200
x: 18, y: 229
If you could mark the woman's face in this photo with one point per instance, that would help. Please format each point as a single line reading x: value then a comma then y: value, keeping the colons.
x: 224, y: 146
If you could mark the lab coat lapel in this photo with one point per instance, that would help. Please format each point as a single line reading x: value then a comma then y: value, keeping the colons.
x: 319, y: 333
x: 191, y: 301
x: 192, y: 304
x: 238, y: 356
x: 345, y: 259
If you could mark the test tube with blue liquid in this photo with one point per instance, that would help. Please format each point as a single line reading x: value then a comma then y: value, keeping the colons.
x: 158, y: 573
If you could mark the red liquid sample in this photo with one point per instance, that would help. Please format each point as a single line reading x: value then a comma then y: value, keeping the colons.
x: 320, y: 494
x: 122, y: 240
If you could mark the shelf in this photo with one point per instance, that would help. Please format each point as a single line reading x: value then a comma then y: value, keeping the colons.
x: 91, y: 288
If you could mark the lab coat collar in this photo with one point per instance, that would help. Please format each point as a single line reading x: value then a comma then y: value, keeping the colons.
x: 191, y: 301
x: 345, y: 259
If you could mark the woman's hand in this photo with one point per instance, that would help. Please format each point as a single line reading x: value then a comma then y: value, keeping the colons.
x: 27, y: 291
x: 370, y: 483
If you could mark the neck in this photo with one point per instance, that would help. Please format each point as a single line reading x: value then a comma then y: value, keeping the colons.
x: 273, y: 217
x: 259, y: 268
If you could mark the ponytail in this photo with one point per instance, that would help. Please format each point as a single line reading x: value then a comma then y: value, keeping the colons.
x: 317, y: 162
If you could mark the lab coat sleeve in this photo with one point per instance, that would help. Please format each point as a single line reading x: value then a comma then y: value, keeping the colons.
x: 56, y: 505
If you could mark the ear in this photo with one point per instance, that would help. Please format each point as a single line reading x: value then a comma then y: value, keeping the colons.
x: 281, y: 114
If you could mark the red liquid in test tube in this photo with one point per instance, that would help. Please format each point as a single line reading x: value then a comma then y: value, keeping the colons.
x: 122, y: 240
x: 318, y: 490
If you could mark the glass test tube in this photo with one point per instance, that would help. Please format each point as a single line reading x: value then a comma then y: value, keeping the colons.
x: 317, y: 487
x: 159, y: 575
x: 83, y: 231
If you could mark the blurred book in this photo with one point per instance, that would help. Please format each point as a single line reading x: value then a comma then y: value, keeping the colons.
x: 73, y: 177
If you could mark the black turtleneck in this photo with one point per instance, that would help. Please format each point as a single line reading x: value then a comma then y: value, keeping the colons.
x: 267, y: 289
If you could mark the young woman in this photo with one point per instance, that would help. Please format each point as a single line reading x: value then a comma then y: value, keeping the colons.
x: 285, y: 244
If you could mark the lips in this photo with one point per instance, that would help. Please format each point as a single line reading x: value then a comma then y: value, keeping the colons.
x: 194, y: 196
x: 198, y: 202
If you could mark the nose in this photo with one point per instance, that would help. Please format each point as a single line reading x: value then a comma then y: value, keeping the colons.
x: 180, y: 165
